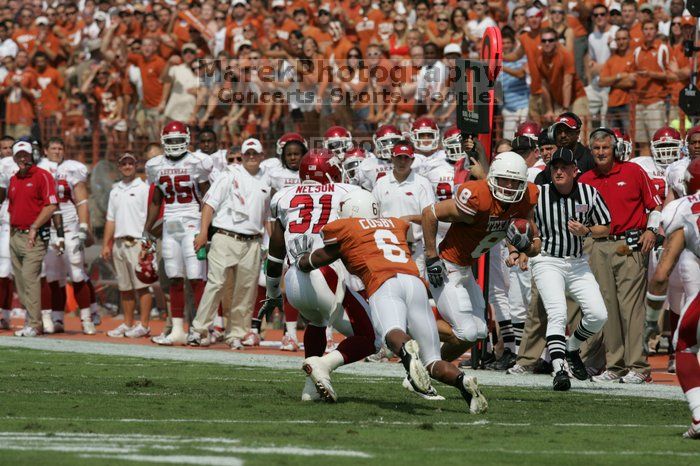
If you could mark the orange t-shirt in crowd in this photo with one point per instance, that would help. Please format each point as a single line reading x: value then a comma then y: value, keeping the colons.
x: 407, y: 104
x: 107, y: 100
x: 150, y: 75
x: 339, y: 50
x: 654, y: 58
x: 19, y: 107
x: 323, y: 39
x: 366, y: 26
x: 25, y: 37
x: 181, y: 30
x: 164, y: 51
x: 531, y: 45
x: 374, y: 249
x: 282, y: 31
x: 676, y: 86
x: 50, y: 83
x: 618, y: 64
x: 552, y: 69
x: 465, y: 243
x: 72, y: 32
x: 53, y: 44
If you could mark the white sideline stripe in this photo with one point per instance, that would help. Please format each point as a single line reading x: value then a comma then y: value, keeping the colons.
x: 568, y: 452
x: 332, y: 422
x: 179, y: 459
x: 241, y: 358
x: 81, y: 436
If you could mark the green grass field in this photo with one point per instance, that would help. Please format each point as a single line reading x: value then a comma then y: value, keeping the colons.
x: 76, y: 409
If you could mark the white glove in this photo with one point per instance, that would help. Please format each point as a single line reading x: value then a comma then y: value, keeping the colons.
x: 301, y: 245
x: 82, y: 235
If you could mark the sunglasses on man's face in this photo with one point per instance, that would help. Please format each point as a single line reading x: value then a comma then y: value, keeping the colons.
x: 599, y: 15
x: 548, y: 41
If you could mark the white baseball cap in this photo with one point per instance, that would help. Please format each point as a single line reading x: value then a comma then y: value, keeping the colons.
x: 22, y: 146
x: 251, y: 144
x: 277, y: 4
x: 452, y: 48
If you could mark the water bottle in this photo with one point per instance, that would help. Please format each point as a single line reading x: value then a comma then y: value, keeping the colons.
x: 202, y: 253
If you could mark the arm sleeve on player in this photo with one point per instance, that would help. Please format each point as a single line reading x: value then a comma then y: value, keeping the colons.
x: 672, y: 216
x: 77, y: 174
x: 467, y: 200
x: 332, y: 232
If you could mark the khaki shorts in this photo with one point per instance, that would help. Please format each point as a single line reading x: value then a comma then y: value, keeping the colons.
x: 126, y: 257
x: 649, y: 119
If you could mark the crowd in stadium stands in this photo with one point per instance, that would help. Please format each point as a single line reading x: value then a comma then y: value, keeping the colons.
x: 128, y: 87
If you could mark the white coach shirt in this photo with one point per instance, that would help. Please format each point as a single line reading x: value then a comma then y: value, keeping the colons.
x: 127, y: 208
x: 408, y: 197
x: 241, y: 201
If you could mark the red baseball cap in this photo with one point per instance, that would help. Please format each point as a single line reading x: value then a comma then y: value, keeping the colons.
x: 402, y: 149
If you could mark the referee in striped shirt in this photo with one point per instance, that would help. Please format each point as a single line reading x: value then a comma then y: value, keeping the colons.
x: 566, y: 213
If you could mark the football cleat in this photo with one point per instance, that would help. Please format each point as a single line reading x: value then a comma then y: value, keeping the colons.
x: 88, y: 327
x: 633, y: 377
x: 96, y: 318
x: 195, y: 339
x: 517, y: 369
x: 431, y: 394
x: 47, y: 322
x: 58, y: 326
x: 119, y: 332
x: 138, y: 331
x: 671, y: 368
x: 469, y: 389
x: 27, y: 332
x: 576, y: 365
x: 236, y: 344
x: 417, y: 374
x: 505, y: 362
x: 380, y: 356
x: 251, y: 339
x: 215, y: 336
x: 170, y: 340
x: 693, y: 433
x: 561, y: 382
x: 542, y: 367
x: 309, y: 392
x: 289, y: 344
x: 606, y: 376
x: 319, y: 374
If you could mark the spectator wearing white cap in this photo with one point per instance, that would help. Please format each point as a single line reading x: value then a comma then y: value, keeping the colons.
x: 237, y: 206
x: 126, y: 216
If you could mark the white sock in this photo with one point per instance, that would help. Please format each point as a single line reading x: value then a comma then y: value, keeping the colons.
x: 693, y: 397
x: 334, y: 359
x: 45, y: 312
x: 291, y: 329
x: 329, y: 333
x: 219, y: 321
x: 85, y: 314
x: 58, y: 316
x: 557, y: 364
x: 254, y: 330
x: 178, y: 325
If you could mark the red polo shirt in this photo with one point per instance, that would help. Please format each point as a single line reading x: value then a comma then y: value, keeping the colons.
x: 627, y: 191
x: 28, y: 194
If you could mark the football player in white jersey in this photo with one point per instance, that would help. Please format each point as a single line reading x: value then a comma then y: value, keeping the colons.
x: 282, y: 172
x: 681, y: 222
x: 8, y: 168
x: 425, y: 136
x: 181, y: 179
x: 337, y: 140
x: 321, y: 296
x: 666, y: 146
x: 207, y: 145
x: 675, y: 172
x: 68, y: 259
x: 373, y: 168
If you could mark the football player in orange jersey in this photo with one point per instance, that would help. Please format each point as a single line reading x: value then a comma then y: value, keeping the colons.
x: 375, y: 249
x: 479, y: 215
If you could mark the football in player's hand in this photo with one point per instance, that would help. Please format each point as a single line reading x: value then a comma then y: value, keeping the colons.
x: 519, y: 234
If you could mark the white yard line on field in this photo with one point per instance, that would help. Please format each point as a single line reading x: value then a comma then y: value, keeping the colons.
x: 364, y: 369
x: 478, y: 423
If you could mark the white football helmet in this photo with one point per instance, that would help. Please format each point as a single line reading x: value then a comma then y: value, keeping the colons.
x: 175, y: 139
x: 359, y: 204
x: 425, y: 134
x: 511, y: 166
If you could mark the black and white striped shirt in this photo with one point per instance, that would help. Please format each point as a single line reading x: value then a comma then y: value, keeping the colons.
x: 553, y: 212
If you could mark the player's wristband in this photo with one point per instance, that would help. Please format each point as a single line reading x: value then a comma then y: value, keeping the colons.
x: 311, y: 264
x: 274, y: 259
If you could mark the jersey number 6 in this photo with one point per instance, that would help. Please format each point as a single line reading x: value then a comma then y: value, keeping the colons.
x: 388, y: 243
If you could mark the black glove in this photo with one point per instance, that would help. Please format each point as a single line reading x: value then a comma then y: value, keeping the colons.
x: 436, y: 271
